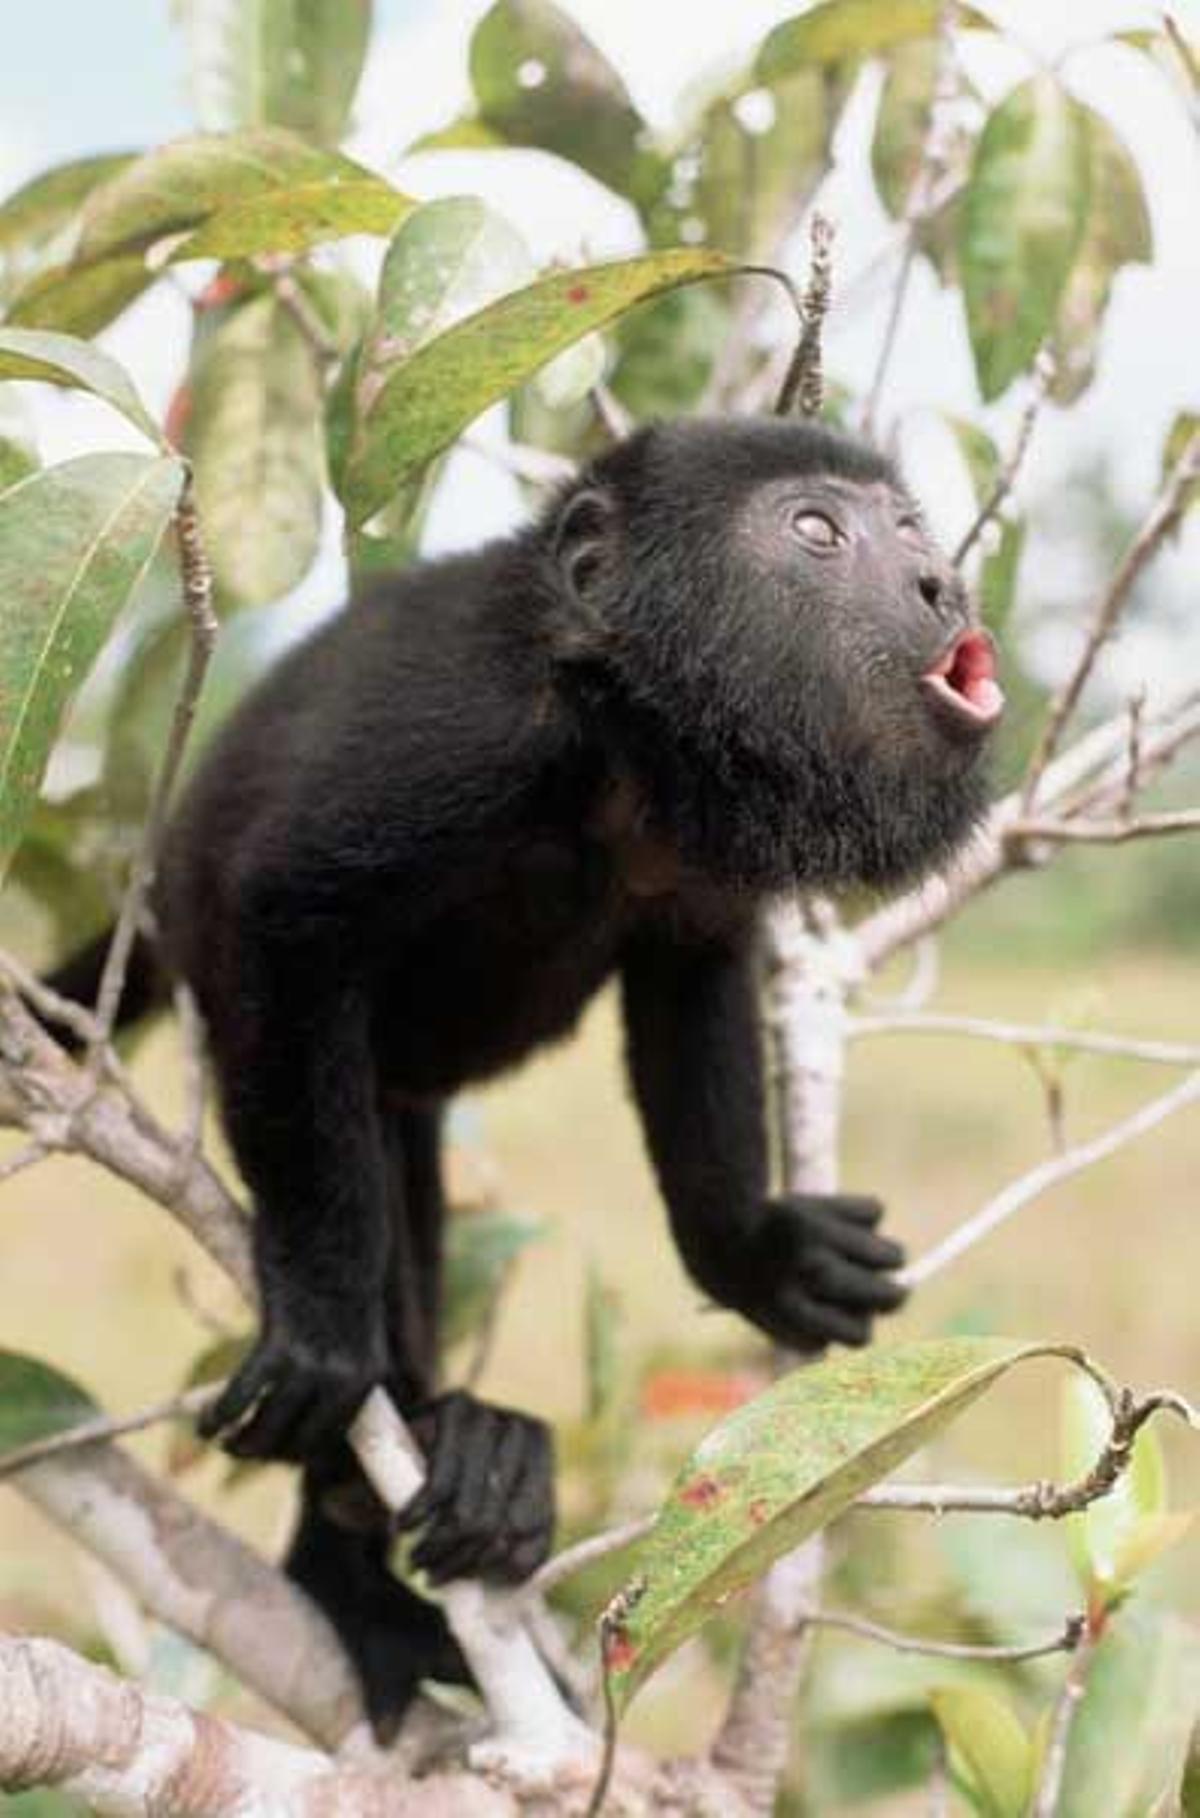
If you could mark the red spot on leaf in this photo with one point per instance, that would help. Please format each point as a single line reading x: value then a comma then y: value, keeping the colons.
x: 758, y: 1511
x: 578, y: 293
x: 619, y: 1652
x: 701, y: 1493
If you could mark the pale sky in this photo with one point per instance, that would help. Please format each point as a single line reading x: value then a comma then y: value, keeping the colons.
x: 79, y: 77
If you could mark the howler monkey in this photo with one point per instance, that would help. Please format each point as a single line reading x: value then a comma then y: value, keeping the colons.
x: 727, y: 660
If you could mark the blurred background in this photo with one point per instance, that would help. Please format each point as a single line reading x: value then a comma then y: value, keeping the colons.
x: 97, y: 1281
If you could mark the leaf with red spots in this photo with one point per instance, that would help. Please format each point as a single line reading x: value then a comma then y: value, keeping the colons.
x: 429, y: 397
x: 783, y: 1467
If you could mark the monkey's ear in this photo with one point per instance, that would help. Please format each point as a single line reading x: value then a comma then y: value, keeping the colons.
x: 585, y: 545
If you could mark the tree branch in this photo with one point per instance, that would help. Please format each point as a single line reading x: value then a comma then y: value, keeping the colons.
x: 1104, y: 833
x: 1026, y: 1035
x: 1067, y: 1639
x: 1043, y: 378
x: 804, y: 382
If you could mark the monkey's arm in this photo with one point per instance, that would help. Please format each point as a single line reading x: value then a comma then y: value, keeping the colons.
x: 806, y: 1269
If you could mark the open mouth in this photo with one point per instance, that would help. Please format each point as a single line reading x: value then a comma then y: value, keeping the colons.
x: 964, y: 680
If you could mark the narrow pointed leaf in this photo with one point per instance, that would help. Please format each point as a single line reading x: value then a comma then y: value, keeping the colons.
x: 74, y: 542
x: 184, y: 183
x: 427, y: 400
x: 255, y: 438
x: 842, y: 29
x: 293, y: 219
x: 293, y: 63
x: 1117, y: 233
x: 65, y: 360
x: 990, y: 1747
x: 541, y: 81
x: 80, y: 298
x: 1179, y: 439
x: 780, y: 1469
x: 1021, y: 225
x: 37, y: 1401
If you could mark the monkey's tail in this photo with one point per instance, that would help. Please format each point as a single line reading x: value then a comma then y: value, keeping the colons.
x: 147, y: 985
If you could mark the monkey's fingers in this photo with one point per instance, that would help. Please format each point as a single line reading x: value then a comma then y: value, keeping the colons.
x: 267, y: 1431
x: 237, y: 1400
x: 806, y: 1323
x: 839, y: 1283
x: 451, y: 1419
x: 857, y: 1208
x: 864, y: 1248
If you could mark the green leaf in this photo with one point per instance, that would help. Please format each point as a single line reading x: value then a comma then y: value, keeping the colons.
x: 1118, y: 233
x: 37, y: 1401
x: 427, y: 400
x: 841, y: 29
x: 212, y: 1365
x: 761, y: 156
x: 666, y: 351
x: 602, y: 1335
x: 18, y: 450
x: 540, y: 81
x: 293, y: 63
x: 292, y: 220
x: 902, y: 123
x: 780, y: 1469
x: 1130, y: 1734
x: 990, y: 1748
x: 999, y: 573
x: 1189, y: 1786
x: 1099, y: 1534
x: 980, y: 454
x: 1021, y: 225
x: 183, y: 184
x: 481, y: 1248
x: 80, y: 299
x: 1179, y: 438
x: 74, y: 542
x: 255, y: 439
x: 37, y: 221
x: 64, y: 360
x: 465, y: 134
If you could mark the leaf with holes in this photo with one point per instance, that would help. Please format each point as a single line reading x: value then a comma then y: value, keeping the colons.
x: 1022, y: 224
x: 37, y: 1401
x: 1117, y: 233
x: 425, y: 401
x: 74, y: 542
x: 293, y: 63
x: 65, y: 360
x: 540, y: 81
x: 780, y: 1469
x: 761, y: 156
x: 843, y: 29
x: 255, y: 437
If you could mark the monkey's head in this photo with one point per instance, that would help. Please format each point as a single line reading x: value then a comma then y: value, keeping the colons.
x: 788, y: 664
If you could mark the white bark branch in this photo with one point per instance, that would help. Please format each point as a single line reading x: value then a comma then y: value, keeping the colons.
x: 1027, y: 1035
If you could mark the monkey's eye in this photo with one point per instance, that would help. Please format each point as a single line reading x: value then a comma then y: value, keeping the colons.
x: 815, y: 529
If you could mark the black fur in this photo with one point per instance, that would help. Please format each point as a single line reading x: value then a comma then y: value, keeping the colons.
x: 438, y: 828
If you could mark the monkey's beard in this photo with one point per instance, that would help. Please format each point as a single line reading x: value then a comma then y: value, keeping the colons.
x: 828, y: 819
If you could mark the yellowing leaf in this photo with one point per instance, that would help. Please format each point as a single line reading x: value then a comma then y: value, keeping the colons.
x: 842, y: 29
x: 990, y: 1746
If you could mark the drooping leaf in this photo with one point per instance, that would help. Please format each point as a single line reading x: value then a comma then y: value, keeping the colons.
x: 38, y: 221
x: 293, y: 219
x: 18, y: 450
x: 74, y: 540
x: 481, y: 1248
x: 37, y: 1401
x: 1129, y: 1736
x: 761, y: 155
x: 187, y: 182
x: 65, y: 360
x: 780, y: 1469
x: 255, y: 438
x: 293, y: 63
x: 1021, y: 225
x: 990, y: 1748
x: 839, y: 30
x: 428, y: 399
x: 540, y: 81
x: 80, y: 299
x: 1118, y: 233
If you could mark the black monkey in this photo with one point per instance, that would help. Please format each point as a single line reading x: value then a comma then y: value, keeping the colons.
x: 727, y: 660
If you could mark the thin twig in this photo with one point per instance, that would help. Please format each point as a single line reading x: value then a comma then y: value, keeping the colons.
x: 298, y: 306
x: 1043, y: 378
x: 1054, y: 1762
x: 108, y: 1426
x: 804, y: 383
x: 615, y: 419
x: 1133, y: 776
x: 1049, y: 1174
x: 583, y: 1553
x: 1105, y: 833
x: 1185, y: 53
x: 535, y: 466
x: 50, y: 1005
x: 197, y: 599
x: 1164, y: 515
x: 1067, y: 1639
x: 1027, y: 1035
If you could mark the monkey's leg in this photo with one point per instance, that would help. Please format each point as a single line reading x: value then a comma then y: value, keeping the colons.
x: 339, y: 1553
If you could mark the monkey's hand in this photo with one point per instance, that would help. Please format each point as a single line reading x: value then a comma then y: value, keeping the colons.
x: 487, y: 1506
x: 303, y: 1382
x: 814, y: 1271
